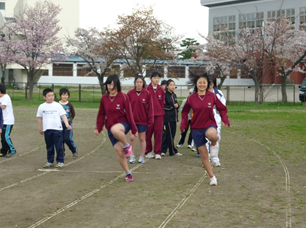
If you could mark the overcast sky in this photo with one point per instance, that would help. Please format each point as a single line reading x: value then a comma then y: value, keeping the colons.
x: 187, y: 17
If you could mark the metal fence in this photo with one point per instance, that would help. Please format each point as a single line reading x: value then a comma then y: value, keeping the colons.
x: 92, y: 93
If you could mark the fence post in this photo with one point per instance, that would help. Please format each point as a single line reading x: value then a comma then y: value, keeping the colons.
x: 228, y: 95
x: 80, y: 93
x: 26, y: 90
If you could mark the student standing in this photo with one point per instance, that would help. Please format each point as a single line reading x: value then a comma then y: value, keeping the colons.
x: 142, y: 107
x: 158, y: 98
x: 116, y: 114
x: 8, y: 122
x: 70, y: 114
x: 49, y: 124
x: 203, y: 124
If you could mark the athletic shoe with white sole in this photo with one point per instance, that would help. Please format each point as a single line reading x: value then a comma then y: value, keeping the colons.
x: 48, y: 165
x: 179, y: 146
x: 60, y: 165
x: 75, y: 155
x: 214, y: 150
x: 189, y: 147
x: 213, y: 181
x: 194, y: 149
x: 141, y: 160
x: 178, y: 154
x: 157, y: 157
x: 132, y: 159
x: 216, y: 164
x: 198, y: 155
x: 129, y: 178
x: 163, y: 154
x: 128, y: 151
x: 150, y: 155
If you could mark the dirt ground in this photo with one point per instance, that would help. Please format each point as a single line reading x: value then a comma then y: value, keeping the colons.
x: 256, y: 187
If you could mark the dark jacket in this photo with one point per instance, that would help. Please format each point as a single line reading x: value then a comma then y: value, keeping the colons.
x: 171, y: 113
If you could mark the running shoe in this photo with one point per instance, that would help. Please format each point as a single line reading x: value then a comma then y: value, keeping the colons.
x: 157, y: 157
x: 60, y: 165
x: 178, y: 154
x: 141, y: 160
x: 163, y: 154
x: 48, y: 165
x: 189, y: 147
x: 150, y: 155
x: 179, y: 145
x: 132, y: 159
x: 75, y: 155
x: 128, y: 151
x: 198, y: 155
x: 129, y: 178
x: 216, y: 164
x: 213, y: 181
x: 8, y: 155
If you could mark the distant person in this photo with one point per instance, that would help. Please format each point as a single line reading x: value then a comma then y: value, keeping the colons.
x: 70, y: 114
x: 213, y: 88
x: 183, y: 134
x: 8, y: 148
x: 115, y: 113
x: 203, y: 123
x: 158, y: 98
x: 163, y: 84
x: 49, y: 124
x: 170, y: 119
x: 142, y: 107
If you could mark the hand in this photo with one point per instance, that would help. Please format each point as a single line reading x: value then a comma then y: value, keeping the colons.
x: 176, y: 105
x: 225, y: 125
x: 0, y: 131
x: 96, y: 132
x: 136, y: 134
x: 41, y: 131
x: 69, y: 127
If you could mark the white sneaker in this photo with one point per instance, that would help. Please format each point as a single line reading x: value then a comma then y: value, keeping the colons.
x: 163, y: 154
x: 178, y: 154
x: 141, y: 160
x: 213, y: 181
x: 214, y: 150
x: 132, y: 159
x: 217, y: 164
x: 60, y: 165
x: 179, y: 146
x: 150, y: 155
x: 194, y: 149
x: 189, y: 146
x: 157, y: 157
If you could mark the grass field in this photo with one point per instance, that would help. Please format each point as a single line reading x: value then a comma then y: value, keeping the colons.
x: 261, y: 182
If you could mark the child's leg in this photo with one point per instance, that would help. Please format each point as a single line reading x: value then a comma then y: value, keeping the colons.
x: 164, y: 144
x: 205, y: 161
x: 172, y: 131
x: 118, y: 132
x: 58, y: 139
x: 212, y: 135
x: 142, y: 141
x: 48, y: 134
x: 149, y: 134
x: 158, y: 132
x: 67, y: 138
x: 121, y: 156
x: 132, y: 142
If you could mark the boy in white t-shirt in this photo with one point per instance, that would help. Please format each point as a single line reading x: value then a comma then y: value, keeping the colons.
x: 49, y: 124
x: 8, y: 122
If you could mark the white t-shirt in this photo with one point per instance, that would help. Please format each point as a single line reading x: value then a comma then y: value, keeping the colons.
x: 8, y: 114
x: 51, y: 115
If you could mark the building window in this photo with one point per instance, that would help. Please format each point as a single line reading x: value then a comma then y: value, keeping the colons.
x: 224, y: 27
x: 303, y: 18
x: 63, y: 70
x: 176, y: 71
x: 2, y: 5
x: 289, y: 13
x: 251, y: 20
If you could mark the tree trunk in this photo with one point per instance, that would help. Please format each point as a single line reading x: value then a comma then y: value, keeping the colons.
x: 283, y: 88
x: 261, y: 94
x: 31, y: 86
x: 221, y: 82
x: 256, y: 91
x: 3, y: 67
x: 101, y: 83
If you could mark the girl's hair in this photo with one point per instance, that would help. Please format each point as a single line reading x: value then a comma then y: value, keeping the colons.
x: 115, y: 79
x: 169, y: 81
x: 155, y: 74
x: 194, y: 79
x: 63, y: 91
x: 142, y: 78
x: 213, y: 80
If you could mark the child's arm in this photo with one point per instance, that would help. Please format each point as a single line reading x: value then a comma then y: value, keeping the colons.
x: 39, y: 121
x: 64, y: 117
x: 72, y: 112
x: 1, y: 120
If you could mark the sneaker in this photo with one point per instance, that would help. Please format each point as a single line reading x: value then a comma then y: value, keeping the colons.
x: 132, y: 159
x: 189, y: 147
x: 141, y: 160
x: 48, y: 165
x: 2, y: 155
x: 75, y: 155
x: 198, y: 155
x: 129, y: 178
x: 178, y: 154
x: 179, y: 145
x: 217, y: 164
x: 8, y: 155
x: 163, y: 154
x: 150, y: 155
x: 128, y: 151
x: 157, y: 157
x: 213, y: 181
x: 214, y: 150
x: 194, y: 149
x: 60, y: 165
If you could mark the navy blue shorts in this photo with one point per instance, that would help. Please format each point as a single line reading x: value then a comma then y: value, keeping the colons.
x: 141, y: 128
x: 111, y: 136
x: 198, y: 136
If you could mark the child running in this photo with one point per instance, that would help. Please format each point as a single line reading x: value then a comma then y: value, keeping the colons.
x: 171, y: 117
x: 70, y: 114
x: 158, y: 98
x: 142, y: 107
x: 116, y: 114
x: 203, y: 124
x: 49, y: 124
x: 213, y: 88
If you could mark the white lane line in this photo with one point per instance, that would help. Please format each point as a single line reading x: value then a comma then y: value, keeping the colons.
x: 84, y: 197
x: 183, y: 201
x: 20, y: 155
x: 39, y: 175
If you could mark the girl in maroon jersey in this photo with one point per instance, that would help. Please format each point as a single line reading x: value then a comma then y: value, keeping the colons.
x: 142, y: 108
x: 203, y: 124
x: 116, y: 114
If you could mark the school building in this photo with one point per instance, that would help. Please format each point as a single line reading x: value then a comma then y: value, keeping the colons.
x: 236, y: 14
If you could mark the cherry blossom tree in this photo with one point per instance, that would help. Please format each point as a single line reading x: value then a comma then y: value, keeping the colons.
x: 35, y: 42
x: 96, y: 50
x: 6, y: 56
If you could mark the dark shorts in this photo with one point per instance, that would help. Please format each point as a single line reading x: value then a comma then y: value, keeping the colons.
x: 198, y: 136
x: 111, y: 136
x: 141, y: 128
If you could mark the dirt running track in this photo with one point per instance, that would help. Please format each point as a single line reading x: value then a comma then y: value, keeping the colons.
x: 255, y: 187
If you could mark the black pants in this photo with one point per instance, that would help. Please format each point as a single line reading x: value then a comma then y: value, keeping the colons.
x: 168, y: 138
x: 7, y: 144
x: 183, y: 135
